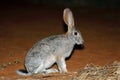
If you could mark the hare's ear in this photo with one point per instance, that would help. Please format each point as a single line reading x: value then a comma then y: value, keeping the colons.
x: 68, y: 18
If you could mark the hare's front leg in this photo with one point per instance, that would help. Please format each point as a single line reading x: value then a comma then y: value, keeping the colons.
x: 61, y: 64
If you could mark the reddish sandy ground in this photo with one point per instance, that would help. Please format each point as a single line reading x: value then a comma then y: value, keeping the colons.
x: 21, y: 27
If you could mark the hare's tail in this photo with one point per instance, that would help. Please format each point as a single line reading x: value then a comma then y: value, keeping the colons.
x: 23, y: 73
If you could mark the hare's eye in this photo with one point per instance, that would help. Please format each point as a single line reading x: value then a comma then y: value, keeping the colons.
x: 75, y: 33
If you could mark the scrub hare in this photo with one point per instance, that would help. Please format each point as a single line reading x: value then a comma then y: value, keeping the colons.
x: 53, y: 49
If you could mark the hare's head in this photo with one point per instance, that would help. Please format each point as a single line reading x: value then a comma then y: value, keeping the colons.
x: 73, y: 33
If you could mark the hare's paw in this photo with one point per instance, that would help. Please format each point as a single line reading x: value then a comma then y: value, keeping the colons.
x: 50, y: 71
x: 63, y: 70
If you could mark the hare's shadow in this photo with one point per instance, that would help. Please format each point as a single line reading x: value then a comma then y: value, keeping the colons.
x: 78, y: 47
x: 65, y: 27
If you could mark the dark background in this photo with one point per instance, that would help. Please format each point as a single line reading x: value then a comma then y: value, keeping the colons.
x: 83, y: 3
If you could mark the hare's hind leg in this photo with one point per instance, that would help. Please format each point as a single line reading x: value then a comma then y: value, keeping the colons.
x: 39, y: 69
x: 42, y: 70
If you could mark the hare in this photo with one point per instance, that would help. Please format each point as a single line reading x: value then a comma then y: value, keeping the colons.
x: 53, y: 49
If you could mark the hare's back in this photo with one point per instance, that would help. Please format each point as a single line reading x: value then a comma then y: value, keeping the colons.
x: 47, y: 47
x: 59, y: 44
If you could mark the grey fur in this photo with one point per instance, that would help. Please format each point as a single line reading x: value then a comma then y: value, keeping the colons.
x: 53, y: 49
